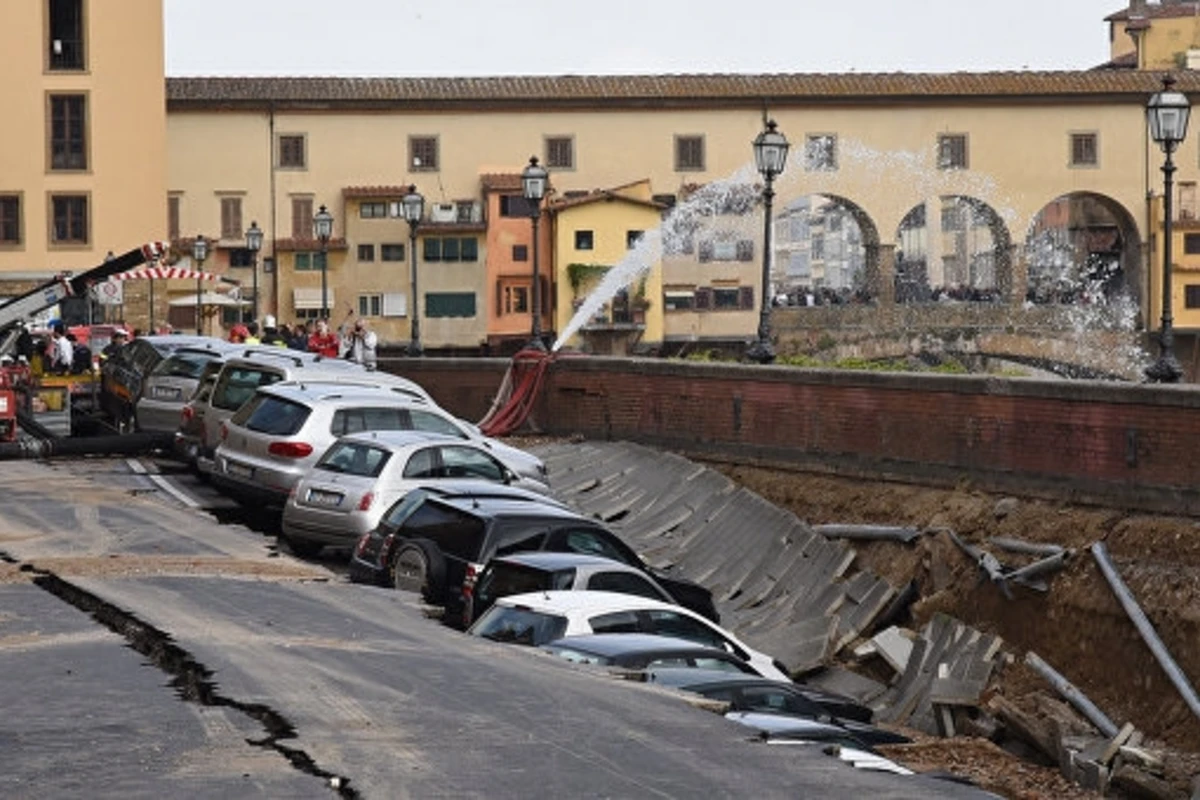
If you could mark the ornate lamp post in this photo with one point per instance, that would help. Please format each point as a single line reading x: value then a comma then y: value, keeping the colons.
x: 533, y: 183
x: 199, y: 254
x: 1167, y: 113
x: 254, y: 241
x: 413, y: 205
x: 770, y: 154
x: 323, y: 229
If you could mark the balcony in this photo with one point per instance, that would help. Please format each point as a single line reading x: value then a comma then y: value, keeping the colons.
x: 66, y: 54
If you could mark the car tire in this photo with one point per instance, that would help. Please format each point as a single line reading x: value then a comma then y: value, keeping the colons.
x: 418, y: 566
x: 126, y: 423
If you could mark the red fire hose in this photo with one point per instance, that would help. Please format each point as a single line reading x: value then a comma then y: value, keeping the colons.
x: 521, y: 385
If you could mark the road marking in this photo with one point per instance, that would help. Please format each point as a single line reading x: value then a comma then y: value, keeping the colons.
x: 163, y: 483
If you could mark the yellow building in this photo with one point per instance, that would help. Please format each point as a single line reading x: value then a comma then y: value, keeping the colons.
x: 1158, y: 36
x: 83, y: 169
x: 600, y: 233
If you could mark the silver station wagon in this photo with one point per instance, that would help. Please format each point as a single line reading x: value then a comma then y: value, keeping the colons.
x: 360, y: 476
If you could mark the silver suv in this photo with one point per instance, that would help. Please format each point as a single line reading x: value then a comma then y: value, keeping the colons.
x: 261, y: 366
x: 175, y: 379
x: 272, y: 441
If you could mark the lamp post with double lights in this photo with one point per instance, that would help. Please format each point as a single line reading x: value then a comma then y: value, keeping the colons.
x: 199, y: 255
x: 770, y: 155
x: 323, y: 230
x: 533, y: 184
x: 254, y: 241
x: 413, y: 206
x: 1167, y: 114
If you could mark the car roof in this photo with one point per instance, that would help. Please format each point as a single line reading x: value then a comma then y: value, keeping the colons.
x: 401, y: 439
x: 545, y: 559
x: 343, y: 394
x: 788, y: 724
x: 562, y: 601
x: 217, y: 346
x: 510, y: 507
x: 486, y: 490
x: 696, y: 679
x: 166, y: 343
x: 618, y: 644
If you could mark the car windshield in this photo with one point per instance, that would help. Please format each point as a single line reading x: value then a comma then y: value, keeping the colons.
x: 354, y: 458
x: 519, y: 625
x: 238, y: 384
x: 188, y: 364
x: 272, y: 415
x: 399, y: 512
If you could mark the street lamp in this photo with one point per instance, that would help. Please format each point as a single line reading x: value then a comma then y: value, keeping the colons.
x: 323, y: 228
x: 770, y: 154
x: 413, y: 205
x: 254, y: 241
x: 1167, y: 113
x: 533, y: 184
x: 199, y: 254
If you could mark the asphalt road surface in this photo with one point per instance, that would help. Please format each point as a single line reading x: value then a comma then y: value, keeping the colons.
x: 154, y: 641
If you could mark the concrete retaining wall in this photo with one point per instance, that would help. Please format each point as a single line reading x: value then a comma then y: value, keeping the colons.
x: 1128, y: 446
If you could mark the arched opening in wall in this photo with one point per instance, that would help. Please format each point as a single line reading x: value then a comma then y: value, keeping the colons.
x: 1083, y: 249
x: 965, y: 254
x: 825, y: 252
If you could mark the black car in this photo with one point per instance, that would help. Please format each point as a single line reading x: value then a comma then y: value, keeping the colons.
x: 645, y: 651
x: 751, y: 693
x: 124, y: 373
x: 438, y: 545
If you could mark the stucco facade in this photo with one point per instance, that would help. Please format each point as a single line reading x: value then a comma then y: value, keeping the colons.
x: 85, y: 158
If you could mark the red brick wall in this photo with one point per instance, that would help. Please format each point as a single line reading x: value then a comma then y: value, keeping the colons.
x: 1129, y: 446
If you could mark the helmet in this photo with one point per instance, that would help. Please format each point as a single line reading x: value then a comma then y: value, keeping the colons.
x: 268, y: 321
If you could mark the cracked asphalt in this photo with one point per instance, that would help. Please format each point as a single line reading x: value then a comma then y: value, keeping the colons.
x: 156, y: 642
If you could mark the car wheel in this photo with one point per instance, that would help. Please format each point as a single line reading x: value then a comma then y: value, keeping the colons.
x: 418, y: 566
x: 126, y: 423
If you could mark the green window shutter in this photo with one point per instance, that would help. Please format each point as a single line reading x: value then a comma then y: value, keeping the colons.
x: 470, y: 249
x: 319, y: 260
x: 433, y: 249
x: 302, y: 262
x: 449, y: 304
x: 450, y: 249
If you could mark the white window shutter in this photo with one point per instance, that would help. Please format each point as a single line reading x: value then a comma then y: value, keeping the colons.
x: 395, y: 304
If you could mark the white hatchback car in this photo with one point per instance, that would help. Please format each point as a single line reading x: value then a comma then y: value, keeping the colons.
x: 360, y: 476
x: 536, y: 618
x: 282, y: 431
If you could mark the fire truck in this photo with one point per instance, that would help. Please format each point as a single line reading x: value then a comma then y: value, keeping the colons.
x: 35, y: 400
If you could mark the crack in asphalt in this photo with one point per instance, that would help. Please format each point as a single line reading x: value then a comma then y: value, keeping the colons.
x: 190, y: 678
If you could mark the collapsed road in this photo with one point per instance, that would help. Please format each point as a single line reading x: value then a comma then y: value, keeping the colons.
x: 147, y: 648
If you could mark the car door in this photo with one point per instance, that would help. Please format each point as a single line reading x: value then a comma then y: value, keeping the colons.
x: 463, y: 461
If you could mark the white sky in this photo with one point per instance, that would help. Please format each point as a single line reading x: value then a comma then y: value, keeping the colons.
x: 554, y: 37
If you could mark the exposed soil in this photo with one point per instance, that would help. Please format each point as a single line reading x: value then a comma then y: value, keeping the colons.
x: 1077, y: 625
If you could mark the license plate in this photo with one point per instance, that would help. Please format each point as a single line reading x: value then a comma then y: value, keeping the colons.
x: 318, y: 498
x: 240, y: 470
x: 167, y: 393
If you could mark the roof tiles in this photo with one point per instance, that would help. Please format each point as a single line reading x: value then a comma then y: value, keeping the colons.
x: 700, y: 89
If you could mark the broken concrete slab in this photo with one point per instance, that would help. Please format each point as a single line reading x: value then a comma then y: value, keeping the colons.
x: 895, y: 646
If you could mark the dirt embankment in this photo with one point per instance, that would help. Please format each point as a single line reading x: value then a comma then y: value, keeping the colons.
x: 1077, y: 626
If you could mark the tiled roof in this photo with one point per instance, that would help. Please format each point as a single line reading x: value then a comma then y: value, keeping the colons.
x: 1126, y: 61
x: 375, y: 191
x: 598, y: 195
x: 1157, y: 11
x: 501, y: 182
x: 657, y: 90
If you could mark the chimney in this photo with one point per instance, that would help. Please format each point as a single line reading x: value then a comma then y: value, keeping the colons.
x: 1137, y: 7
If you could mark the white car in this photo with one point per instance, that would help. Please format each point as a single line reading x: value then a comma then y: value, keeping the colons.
x: 539, y: 617
x: 360, y: 476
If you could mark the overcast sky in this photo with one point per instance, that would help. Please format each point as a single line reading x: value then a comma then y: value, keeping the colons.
x: 555, y: 37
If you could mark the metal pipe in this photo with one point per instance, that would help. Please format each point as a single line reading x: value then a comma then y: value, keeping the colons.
x: 1069, y: 692
x: 1149, y: 635
x: 1047, y: 564
x: 1029, y: 548
x: 130, y: 444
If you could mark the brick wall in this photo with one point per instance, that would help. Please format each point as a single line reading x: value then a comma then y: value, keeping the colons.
x: 1125, y: 445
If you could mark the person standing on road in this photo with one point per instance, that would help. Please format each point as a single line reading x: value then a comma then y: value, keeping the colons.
x: 360, y: 344
x: 271, y: 333
x: 323, y: 341
x: 62, y: 354
x: 119, y: 337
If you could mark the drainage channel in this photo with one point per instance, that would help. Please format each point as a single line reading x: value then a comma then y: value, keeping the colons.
x: 190, y: 679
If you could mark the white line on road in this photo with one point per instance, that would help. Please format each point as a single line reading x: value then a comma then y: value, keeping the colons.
x: 163, y: 483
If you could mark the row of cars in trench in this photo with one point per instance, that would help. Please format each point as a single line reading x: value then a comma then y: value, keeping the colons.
x: 369, y: 462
